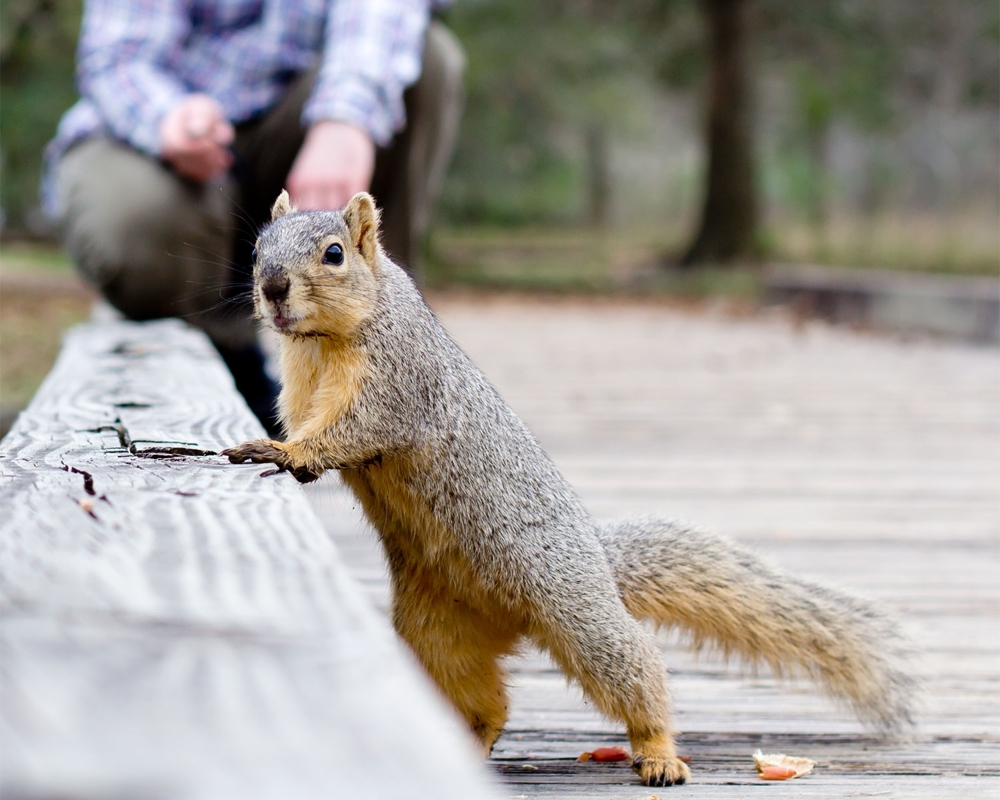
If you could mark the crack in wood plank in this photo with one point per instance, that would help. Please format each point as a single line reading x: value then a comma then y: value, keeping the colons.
x: 88, y: 479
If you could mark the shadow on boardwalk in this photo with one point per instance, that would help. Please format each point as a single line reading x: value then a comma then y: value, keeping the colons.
x: 861, y: 461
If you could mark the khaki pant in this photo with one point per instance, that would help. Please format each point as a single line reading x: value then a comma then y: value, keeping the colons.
x: 158, y: 245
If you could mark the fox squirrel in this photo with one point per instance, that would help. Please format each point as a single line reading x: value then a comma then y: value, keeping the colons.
x: 487, y: 543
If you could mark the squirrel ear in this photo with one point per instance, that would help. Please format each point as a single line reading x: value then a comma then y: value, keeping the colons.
x: 362, y: 220
x: 283, y: 205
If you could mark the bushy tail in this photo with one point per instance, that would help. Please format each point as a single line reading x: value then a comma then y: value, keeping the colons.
x: 723, y: 596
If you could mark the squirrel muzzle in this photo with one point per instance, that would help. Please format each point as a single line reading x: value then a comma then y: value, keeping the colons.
x: 274, y: 284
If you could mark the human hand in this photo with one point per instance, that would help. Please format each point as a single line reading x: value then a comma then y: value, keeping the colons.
x: 195, y: 136
x: 336, y: 162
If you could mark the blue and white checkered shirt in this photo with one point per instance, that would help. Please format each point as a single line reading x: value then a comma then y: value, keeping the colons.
x: 137, y: 58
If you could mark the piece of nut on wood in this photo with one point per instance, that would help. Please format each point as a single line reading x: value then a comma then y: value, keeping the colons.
x: 779, y: 767
x: 605, y: 754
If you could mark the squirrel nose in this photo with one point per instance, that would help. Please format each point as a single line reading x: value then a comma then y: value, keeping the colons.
x: 275, y: 288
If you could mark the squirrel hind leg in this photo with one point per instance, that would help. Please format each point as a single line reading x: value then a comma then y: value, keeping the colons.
x: 661, y: 769
x: 476, y: 686
x: 474, y: 683
x: 460, y: 651
x: 619, y: 669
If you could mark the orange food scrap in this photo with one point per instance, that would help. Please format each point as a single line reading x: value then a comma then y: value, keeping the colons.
x: 605, y: 754
x: 610, y: 754
x: 776, y: 773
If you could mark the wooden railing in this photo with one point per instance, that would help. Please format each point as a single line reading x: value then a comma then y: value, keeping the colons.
x: 178, y: 627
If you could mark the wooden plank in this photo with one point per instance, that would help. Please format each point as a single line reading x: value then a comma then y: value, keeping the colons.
x: 178, y: 627
x: 865, y: 462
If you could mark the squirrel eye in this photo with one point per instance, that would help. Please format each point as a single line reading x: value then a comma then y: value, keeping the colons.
x: 334, y: 255
x: 253, y: 255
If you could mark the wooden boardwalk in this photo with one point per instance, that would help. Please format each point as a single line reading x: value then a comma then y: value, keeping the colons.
x: 867, y: 462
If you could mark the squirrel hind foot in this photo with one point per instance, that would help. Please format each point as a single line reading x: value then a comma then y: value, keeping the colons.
x: 660, y: 771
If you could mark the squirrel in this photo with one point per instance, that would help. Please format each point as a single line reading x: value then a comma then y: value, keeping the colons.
x: 488, y: 544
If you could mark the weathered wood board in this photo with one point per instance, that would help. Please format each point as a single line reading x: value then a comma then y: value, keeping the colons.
x: 868, y: 462
x: 178, y: 627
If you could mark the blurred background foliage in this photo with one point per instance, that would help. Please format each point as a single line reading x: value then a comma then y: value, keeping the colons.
x: 37, y: 54
x: 875, y: 127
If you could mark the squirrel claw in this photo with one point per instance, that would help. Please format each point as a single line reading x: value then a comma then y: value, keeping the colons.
x: 661, y: 771
x: 303, y: 474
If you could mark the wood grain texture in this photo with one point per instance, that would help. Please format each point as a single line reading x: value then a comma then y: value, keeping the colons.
x: 178, y: 627
x: 867, y: 462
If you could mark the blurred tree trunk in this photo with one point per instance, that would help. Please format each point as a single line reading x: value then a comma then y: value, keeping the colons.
x: 598, y: 174
x: 729, y: 218
x: 817, y: 144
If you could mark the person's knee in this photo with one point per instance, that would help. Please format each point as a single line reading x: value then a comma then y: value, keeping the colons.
x: 113, y: 226
x: 129, y: 223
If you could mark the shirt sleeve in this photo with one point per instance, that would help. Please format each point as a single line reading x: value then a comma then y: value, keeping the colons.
x: 124, y: 65
x: 372, y: 52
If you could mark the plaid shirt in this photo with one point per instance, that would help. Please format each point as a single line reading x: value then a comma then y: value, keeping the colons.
x: 137, y: 58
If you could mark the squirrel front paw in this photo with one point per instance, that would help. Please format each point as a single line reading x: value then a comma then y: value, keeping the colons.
x: 261, y: 451
x: 267, y: 451
x: 660, y: 771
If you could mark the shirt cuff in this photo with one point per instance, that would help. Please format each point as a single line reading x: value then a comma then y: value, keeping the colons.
x: 356, y: 100
x: 145, y: 134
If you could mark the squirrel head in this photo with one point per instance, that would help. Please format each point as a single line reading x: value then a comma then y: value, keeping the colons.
x: 316, y: 273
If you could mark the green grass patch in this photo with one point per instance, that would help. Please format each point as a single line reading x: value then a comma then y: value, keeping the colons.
x: 27, y: 257
x: 624, y: 261
x: 955, y: 244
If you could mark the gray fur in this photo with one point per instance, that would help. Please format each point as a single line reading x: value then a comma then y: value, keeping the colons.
x: 498, y: 529
x: 680, y: 577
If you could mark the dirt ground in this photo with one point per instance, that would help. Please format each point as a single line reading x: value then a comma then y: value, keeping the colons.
x: 35, y: 309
